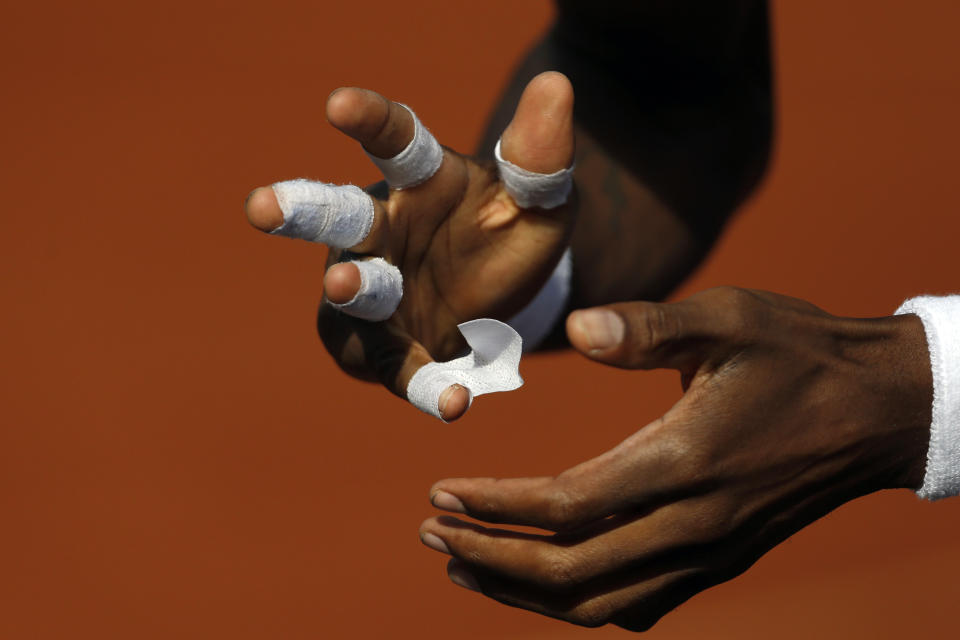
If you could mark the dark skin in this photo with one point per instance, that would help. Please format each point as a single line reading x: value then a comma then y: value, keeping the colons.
x: 787, y: 411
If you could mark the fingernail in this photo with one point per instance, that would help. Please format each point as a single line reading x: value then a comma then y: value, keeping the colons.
x: 434, y: 542
x: 447, y: 502
x: 463, y: 578
x: 603, y: 329
x: 444, y: 399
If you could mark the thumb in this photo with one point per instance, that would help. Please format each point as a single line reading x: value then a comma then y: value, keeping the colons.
x: 540, y: 136
x: 645, y: 335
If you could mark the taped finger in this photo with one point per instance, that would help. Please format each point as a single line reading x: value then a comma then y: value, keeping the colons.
x: 418, y: 161
x: 492, y: 365
x: 530, y: 189
x: 339, y: 216
x: 380, y: 292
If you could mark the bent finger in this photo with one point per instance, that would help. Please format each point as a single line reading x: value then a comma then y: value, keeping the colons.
x: 391, y: 134
x: 535, y: 152
x: 635, y: 601
x: 391, y: 355
x: 642, y: 471
x: 566, y: 562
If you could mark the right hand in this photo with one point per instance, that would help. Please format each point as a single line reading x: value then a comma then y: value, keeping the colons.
x: 465, y: 249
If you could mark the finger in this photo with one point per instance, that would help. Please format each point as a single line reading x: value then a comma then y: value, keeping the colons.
x: 394, y: 138
x: 391, y: 355
x: 535, y: 152
x: 340, y: 216
x: 342, y: 282
x: 377, y: 294
x: 566, y: 562
x: 647, y: 594
x: 643, y: 470
x: 647, y: 335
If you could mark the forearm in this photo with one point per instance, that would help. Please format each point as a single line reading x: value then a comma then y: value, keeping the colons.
x: 665, y: 152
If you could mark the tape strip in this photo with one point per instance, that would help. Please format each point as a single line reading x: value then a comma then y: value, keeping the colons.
x: 416, y: 163
x: 492, y: 365
x: 529, y: 189
x: 381, y: 289
x: 337, y: 215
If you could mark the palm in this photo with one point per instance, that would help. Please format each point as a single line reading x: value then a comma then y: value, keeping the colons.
x: 467, y: 251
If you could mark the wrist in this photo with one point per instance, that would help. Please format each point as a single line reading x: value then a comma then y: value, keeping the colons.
x: 909, y: 404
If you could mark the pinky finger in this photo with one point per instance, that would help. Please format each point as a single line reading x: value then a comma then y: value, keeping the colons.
x: 392, y: 356
x: 636, y: 602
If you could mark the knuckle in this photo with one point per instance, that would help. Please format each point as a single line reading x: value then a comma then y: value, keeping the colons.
x: 743, y: 309
x: 557, y: 568
x: 711, y: 521
x: 656, y: 327
x: 686, y: 458
x: 563, y: 508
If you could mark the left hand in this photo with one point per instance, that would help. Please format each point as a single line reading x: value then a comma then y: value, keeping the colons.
x: 788, y: 412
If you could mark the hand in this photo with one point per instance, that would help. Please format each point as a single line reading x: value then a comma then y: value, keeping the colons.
x: 465, y: 249
x: 787, y: 413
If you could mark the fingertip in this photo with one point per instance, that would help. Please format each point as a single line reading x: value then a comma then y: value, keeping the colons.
x: 595, y: 332
x: 346, y: 107
x: 576, y: 334
x: 555, y: 84
x: 342, y: 282
x: 539, y: 138
x: 453, y: 402
x: 263, y: 210
x: 460, y: 576
x: 447, y: 501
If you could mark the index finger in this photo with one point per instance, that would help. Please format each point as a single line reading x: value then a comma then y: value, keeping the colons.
x: 640, y: 471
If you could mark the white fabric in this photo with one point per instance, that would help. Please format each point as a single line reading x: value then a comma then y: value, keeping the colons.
x: 492, y: 365
x: 941, y: 323
x: 337, y: 215
x: 529, y: 189
x: 380, y: 292
x: 535, y: 321
x: 417, y: 163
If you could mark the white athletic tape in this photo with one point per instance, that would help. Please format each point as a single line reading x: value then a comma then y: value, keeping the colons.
x: 381, y: 288
x: 535, y: 321
x: 337, y: 215
x: 416, y: 163
x: 529, y: 189
x: 941, y: 326
x: 492, y: 365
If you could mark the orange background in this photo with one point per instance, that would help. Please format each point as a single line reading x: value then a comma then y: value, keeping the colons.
x: 180, y: 458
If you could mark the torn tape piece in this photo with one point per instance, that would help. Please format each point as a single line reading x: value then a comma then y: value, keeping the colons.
x: 337, y: 215
x: 529, y: 189
x: 418, y: 161
x: 380, y: 292
x: 492, y: 365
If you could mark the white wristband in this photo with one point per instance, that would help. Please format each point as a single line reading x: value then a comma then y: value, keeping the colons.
x: 535, y: 321
x: 941, y: 323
